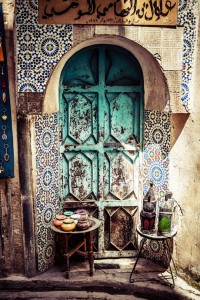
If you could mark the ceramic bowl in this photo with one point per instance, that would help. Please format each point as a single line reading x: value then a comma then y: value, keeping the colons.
x: 83, y: 214
x: 57, y: 223
x: 60, y: 217
x: 68, y: 227
x: 75, y: 216
x: 68, y: 213
x: 68, y: 221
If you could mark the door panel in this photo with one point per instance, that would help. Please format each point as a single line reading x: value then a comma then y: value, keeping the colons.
x: 119, y: 229
x: 101, y: 114
x: 79, y: 118
x: 80, y: 179
x: 121, y: 121
x: 119, y: 183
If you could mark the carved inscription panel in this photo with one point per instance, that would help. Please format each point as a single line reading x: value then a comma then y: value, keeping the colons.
x: 118, y: 12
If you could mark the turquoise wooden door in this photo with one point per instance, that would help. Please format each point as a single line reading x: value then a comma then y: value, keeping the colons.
x: 101, y: 117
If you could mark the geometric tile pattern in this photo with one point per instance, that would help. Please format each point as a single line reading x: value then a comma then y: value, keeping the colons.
x: 157, y: 129
x: 188, y: 20
x: 156, y: 169
x: 154, y: 250
x: 39, y: 47
x: 47, y: 190
x: 156, y: 151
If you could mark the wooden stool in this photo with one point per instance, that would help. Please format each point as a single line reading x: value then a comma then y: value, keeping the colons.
x: 86, y: 243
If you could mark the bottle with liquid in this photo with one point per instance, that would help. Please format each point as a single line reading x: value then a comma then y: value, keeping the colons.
x: 165, y: 215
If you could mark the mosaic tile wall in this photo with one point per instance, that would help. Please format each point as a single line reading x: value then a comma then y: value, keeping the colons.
x: 47, y: 194
x: 156, y: 169
x: 39, y: 48
x: 187, y: 19
x: 156, y: 151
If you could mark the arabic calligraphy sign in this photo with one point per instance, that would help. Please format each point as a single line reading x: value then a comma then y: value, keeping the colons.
x: 118, y: 12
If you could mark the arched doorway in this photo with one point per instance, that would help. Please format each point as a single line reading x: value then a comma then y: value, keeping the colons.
x: 154, y: 99
x: 101, y: 120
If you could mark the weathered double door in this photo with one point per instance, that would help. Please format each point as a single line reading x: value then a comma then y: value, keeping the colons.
x: 101, y: 117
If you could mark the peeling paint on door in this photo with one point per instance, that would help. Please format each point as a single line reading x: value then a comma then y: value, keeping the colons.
x: 101, y: 119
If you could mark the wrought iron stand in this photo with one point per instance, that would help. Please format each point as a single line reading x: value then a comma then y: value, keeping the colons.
x: 164, y: 240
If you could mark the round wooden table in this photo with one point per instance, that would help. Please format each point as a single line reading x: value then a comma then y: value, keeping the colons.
x: 86, y: 244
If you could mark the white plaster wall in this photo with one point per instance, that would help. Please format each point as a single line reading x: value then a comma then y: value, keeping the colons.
x: 185, y: 179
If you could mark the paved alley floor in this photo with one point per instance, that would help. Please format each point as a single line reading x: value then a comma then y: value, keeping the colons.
x: 109, y: 282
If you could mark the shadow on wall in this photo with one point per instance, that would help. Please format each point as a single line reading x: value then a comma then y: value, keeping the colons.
x: 178, y: 121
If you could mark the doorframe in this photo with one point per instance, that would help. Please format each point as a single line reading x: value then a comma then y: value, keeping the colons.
x: 102, y: 205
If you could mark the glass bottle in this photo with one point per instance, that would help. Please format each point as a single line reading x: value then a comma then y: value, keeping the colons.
x: 165, y: 215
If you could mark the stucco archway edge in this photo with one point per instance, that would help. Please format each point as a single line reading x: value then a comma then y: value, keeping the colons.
x: 156, y: 91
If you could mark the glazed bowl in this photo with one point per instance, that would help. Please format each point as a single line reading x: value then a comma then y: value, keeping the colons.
x: 68, y: 226
x: 57, y: 223
x: 83, y: 224
x: 83, y: 214
x: 68, y: 221
x: 68, y: 213
x: 60, y: 217
x: 75, y: 216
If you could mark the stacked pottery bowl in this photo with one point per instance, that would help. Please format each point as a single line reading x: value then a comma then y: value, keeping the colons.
x: 83, y: 221
x: 68, y: 224
x: 64, y: 222
x: 75, y: 217
x: 59, y: 220
x: 69, y: 220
